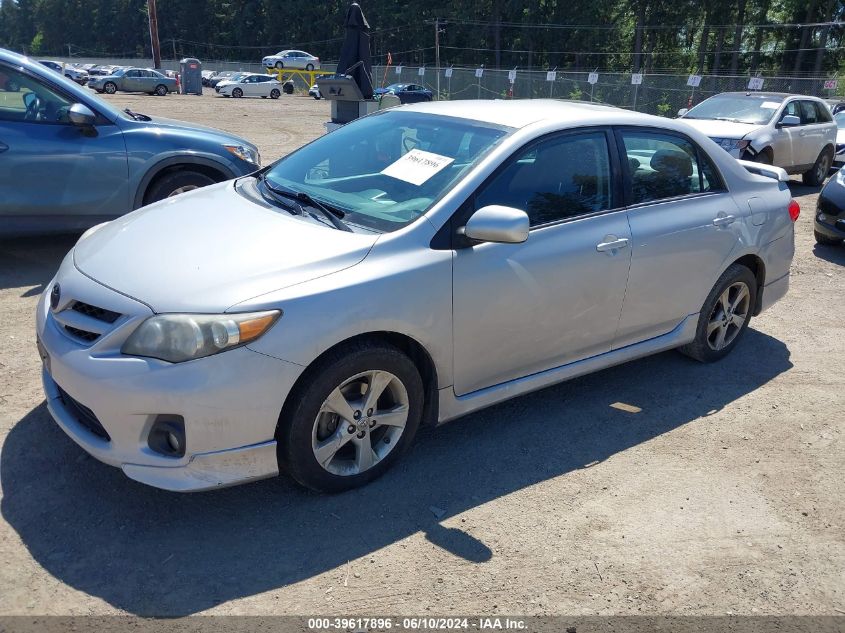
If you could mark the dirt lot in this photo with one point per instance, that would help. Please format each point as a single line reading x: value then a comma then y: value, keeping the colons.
x: 724, y: 494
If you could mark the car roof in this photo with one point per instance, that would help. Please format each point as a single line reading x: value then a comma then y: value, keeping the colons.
x: 520, y: 113
x: 767, y: 95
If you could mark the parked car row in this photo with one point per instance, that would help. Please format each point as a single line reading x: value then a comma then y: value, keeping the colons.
x: 79, y: 75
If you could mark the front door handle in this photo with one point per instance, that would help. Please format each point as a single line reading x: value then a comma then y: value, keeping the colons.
x: 723, y: 220
x: 3, y: 146
x: 611, y: 243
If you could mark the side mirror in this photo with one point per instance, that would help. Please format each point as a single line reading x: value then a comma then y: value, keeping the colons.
x: 81, y: 115
x: 683, y: 111
x: 494, y: 223
x: 789, y: 120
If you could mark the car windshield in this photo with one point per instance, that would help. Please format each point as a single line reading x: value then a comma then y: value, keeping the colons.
x: 839, y: 117
x: 387, y: 169
x: 118, y: 72
x: 758, y: 110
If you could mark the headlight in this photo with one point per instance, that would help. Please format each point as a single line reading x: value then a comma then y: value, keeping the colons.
x: 730, y: 144
x: 244, y: 153
x: 180, y: 337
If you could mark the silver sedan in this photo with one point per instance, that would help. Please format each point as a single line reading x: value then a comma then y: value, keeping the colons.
x: 408, y: 268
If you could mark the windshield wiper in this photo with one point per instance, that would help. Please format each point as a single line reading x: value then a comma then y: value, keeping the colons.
x: 331, y: 214
x: 278, y: 196
x: 137, y: 116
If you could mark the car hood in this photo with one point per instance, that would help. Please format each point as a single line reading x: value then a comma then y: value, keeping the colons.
x: 722, y: 129
x: 209, y: 249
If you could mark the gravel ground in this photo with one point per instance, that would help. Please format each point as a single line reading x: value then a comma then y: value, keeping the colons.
x: 724, y: 494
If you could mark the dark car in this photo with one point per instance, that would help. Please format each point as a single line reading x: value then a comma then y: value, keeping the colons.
x: 222, y: 76
x: 407, y: 93
x: 829, y: 226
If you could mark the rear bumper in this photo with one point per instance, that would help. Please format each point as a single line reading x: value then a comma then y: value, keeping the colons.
x: 774, y: 292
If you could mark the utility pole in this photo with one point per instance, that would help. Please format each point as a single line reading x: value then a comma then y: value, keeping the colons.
x: 173, y: 42
x: 437, y: 53
x: 151, y: 10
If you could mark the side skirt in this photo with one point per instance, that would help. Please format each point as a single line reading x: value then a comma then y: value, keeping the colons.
x: 453, y: 406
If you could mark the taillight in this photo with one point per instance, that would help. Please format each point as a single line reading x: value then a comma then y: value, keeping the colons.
x: 794, y: 210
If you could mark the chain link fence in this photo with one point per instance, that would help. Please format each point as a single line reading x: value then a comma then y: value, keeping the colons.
x: 657, y: 94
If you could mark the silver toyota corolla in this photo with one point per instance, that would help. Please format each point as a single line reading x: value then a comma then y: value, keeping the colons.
x: 407, y: 268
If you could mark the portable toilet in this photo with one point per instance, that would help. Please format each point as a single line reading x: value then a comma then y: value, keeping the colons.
x: 190, y: 80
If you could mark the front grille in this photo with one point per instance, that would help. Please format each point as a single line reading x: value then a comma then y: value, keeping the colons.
x: 88, y: 337
x: 101, y: 314
x: 83, y: 415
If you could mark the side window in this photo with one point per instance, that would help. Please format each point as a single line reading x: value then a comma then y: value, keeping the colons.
x: 822, y: 113
x: 666, y: 166
x: 809, y: 115
x: 792, y: 109
x: 555, y: 179
x: 23, y: 98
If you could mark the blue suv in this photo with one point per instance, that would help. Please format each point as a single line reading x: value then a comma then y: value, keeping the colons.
x: 69, y: 160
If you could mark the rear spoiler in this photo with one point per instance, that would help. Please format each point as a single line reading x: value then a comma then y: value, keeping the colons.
x: 769, y: 171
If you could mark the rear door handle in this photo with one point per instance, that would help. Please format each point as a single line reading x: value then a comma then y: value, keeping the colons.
x: 611, y: 244
x: 723, y: 220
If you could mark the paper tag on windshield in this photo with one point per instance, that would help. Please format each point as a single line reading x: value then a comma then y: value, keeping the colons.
x: 770, y: 105
x: 417, y: 166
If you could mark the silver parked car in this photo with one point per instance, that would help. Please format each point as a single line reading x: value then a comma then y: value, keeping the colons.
x: 299, y: 60
x: 134, y: 80
x: 791, y: 131
x: 410, y: 267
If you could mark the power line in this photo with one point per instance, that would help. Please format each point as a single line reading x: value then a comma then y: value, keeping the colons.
x: 611, y: 27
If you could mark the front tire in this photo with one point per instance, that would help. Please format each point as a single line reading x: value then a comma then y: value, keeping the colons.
x: 274, y: 93
x: 815, y: 177
x: 280, y: 65
x: 110, y: 87
x: 725, y: 315
x: 174, y: 183
x: 824, y: 240
x: 355, y: 414
x: 237, y: 93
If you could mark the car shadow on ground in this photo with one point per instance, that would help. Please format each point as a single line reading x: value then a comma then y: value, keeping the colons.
x: 835, y: 254
x: 32, y: 261
x: 151, y: 552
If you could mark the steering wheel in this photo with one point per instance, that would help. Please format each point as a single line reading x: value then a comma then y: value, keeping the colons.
x: 410, y: 143
x: 33, y: 107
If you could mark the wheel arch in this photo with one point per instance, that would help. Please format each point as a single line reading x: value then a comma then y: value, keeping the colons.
x: 758, y: 267
x: 412, y: 348
x: 208, y: 167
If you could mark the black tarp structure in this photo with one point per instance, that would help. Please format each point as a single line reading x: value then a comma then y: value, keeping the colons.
x: 355, y: 52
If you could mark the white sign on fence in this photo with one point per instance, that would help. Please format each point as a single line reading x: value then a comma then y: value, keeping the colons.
x: 551, y: 75
x: 448, y: 72
x: 512, y: 75
x: 636, y: 79
x: 479, y: 72
x: 421, y: 71
x: 755, y: 83
x: 593, y: 78
x: 398, y: 70
x: 694, y: 81
x: 831, y: 84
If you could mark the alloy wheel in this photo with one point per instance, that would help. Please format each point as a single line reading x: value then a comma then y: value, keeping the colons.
x: 184, y: 189
x: 729, y: 315
x: 360, y: 423
x: 822, y: 168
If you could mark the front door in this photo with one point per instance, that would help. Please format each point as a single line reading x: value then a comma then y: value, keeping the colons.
x: 684, y: 226
x: 556, y: 298
x: 49, y: 167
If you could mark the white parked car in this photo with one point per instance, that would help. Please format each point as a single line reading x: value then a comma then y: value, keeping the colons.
x: 791, y: 131
x: 251, y: 85
x: 839, y: 158
x: 292, y: 59
x: 410, y: 267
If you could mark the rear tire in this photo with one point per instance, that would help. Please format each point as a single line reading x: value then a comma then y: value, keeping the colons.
x: 816, y: 176
x: 309, y: 424
x: 725, y: 315
x: 824, y: 240
x: 309, y: 67
x: 174, y: 183
x: 161, y: 90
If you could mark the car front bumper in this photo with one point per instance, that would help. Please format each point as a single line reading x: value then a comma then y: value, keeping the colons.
x: 230, y: 402
x: 830, y: 209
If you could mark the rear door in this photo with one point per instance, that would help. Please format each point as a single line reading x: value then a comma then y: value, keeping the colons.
x: 813, y: 133
x: 684, y: 226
